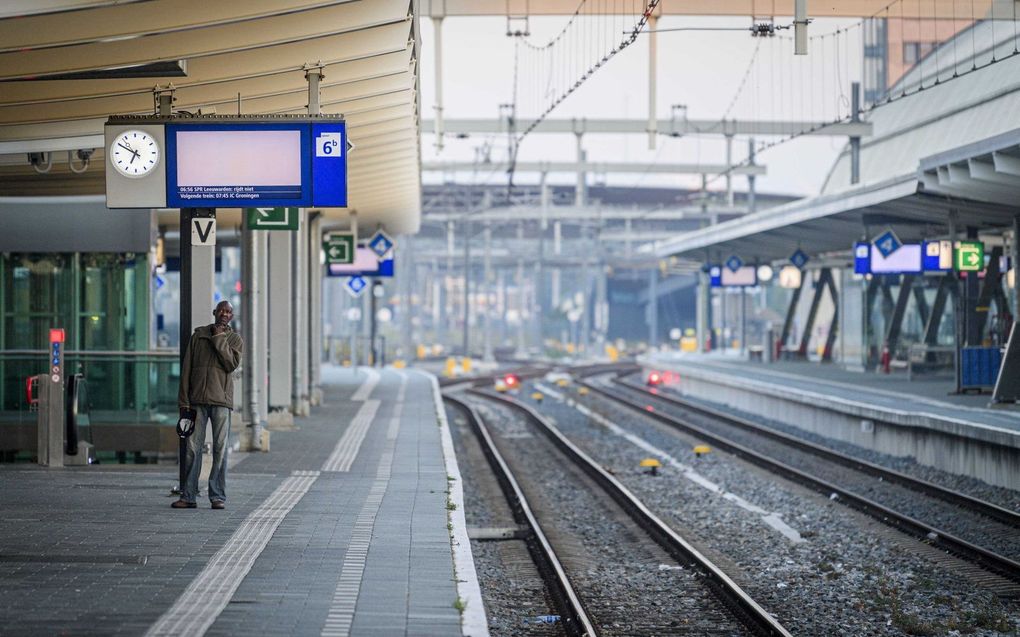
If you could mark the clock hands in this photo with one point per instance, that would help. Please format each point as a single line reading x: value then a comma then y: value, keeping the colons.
x: 134, y: 153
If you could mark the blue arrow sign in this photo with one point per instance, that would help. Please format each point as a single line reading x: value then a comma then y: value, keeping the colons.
x: 799, y: 259
x: 887, y: 243
x: 380, y: 244
x: 734, y: 263
x: 356, y: 285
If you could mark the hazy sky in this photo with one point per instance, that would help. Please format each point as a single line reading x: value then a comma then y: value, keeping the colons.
x: 701, y: 69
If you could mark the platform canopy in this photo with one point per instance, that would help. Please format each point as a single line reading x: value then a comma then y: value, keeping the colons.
x: 66, y: 65
x: 945, y: 156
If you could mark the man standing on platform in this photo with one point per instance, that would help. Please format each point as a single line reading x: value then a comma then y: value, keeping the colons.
x: 207, y: 387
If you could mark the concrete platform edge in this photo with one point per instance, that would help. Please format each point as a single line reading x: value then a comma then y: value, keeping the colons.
x: 473, y: 620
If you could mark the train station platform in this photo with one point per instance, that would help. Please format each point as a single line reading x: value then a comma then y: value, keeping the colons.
x: 351, y: 525
x: 919, y: 418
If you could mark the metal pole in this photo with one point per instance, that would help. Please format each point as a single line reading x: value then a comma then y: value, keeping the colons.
x: 751, y: 203
x: 409, y: 282
x: 855, y: 141
x: 372, y: 326
x: 437, y: 27
x: 249, y: 292
x: 487, y: 292
x: 298, y: 248
x: 1016, y: 268
x: 467, y: 287
x: 313, y: 74
x: 450, y: 317
x: 743, y: 320
x: 729, y: 172
x: 521, y: 348
x: 653, y: 308
x: 653, y: 47
x: 184, y: 319
x: 580, y: 196
x: 800, y: 25
x: 541, y: 296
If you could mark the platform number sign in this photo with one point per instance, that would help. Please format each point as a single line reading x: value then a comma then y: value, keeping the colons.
x: 355, y: 286
x: 734, y: 263
x: 887, y: 243
x: 970, y: 256
x: 380, y: 244
x: 799, y: 259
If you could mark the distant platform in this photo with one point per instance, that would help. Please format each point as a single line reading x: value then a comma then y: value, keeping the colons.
x: 345, y: 527
x: 885, y: 412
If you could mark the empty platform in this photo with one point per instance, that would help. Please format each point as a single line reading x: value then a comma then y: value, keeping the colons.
x: 344, y: 528
x: 886, y: 413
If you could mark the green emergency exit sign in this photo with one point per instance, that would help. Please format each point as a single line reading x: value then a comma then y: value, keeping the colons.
x: 272, y: 218
x: 970, y: 256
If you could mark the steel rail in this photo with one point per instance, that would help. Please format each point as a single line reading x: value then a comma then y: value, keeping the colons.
x: 748, y: 611
x: 549, y: 565
x: 994, y: 511
x: 983, y: 557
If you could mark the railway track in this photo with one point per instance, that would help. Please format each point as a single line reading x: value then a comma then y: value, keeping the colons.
x: 575, y: 620
x: 983, y: 534
x: 621, y: 584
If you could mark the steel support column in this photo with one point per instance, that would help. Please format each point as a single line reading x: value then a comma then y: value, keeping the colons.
x: 824, y: 275
x: 314, y: 308
x: 895, y: 326
x: 653, y: 49
x: 299, y: 311
x: 281, y: 372
x: 791, y: 312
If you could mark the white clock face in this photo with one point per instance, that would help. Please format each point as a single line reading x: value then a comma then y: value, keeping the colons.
x: 134, y: 153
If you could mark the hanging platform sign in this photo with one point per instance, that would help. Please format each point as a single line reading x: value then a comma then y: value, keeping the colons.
x: 339, y: 248
x: 272, y: 218
x: 356, y: 286
x: 887, y: 243
x: 226, y: 162
x: 970, y: 256
x: 381, y: 244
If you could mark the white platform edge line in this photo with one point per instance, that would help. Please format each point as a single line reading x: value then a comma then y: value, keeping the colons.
x: 473, y: 622
x: 365, y: 389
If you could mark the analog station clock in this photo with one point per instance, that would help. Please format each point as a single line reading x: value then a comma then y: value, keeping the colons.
x: 134, y: 153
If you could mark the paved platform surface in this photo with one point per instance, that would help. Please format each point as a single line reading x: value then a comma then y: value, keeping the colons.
x: 341, y: 529
x: 880, y: 391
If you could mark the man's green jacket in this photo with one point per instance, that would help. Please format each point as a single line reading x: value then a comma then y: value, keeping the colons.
x: 206, y: 376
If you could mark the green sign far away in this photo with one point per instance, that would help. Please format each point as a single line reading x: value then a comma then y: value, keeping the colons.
x: 272, y: 218
x: 970, y: 256
x: 339, y: 248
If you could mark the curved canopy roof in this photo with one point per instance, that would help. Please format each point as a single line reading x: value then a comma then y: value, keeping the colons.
x: 66, y: 65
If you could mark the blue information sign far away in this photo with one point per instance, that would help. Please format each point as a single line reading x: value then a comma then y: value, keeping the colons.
x: 356, y: 284
x: 862, y: 258
x: 799, y: 259
x: 887, y: 243
x: 734, y: 263
x: 380, y: 244
x: 715, y: 276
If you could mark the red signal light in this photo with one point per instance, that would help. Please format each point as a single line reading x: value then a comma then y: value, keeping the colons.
x: 654, y: 378
x: 511, y: 380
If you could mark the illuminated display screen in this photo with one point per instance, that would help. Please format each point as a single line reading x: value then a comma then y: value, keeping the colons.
x: 905, y: 260
x: 744, y: 276
x: 244, y: 164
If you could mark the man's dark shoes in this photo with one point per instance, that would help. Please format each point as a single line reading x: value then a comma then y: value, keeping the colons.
x: 183, y: 504
x: 219, y: 504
